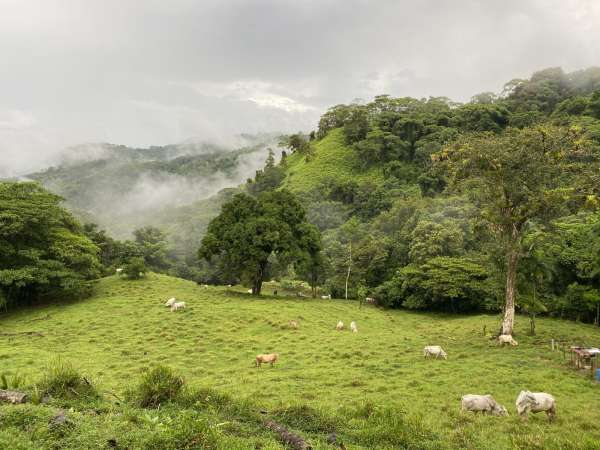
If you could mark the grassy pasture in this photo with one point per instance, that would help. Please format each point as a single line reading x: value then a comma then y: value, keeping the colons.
x: 364, y: 383
x: 332, y: 159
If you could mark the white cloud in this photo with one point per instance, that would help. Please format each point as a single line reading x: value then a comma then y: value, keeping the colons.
x: 71, y: 68
x: 16, y: 120
x: 263, y: 94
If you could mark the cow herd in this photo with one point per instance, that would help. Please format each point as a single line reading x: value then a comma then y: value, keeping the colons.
x: 486, y: 404
x: 526, y: 402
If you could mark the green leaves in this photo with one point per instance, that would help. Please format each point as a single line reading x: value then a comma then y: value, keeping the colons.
x: 446, y: 283
x: 248, y: 231
x: 44, y: 252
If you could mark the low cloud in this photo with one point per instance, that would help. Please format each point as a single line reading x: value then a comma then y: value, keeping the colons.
x: 262, y: 93
x: 103, y: 71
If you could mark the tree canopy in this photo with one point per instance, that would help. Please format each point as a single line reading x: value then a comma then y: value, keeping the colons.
x: 518, y: 178
x: 249, y: 230
x: 44, y: 252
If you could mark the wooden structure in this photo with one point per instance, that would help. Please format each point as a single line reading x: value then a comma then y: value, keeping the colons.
x: 585, y: 358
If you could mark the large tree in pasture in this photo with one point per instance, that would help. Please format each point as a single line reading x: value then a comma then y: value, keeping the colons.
x: 249, y: 230
x: 517, y: 178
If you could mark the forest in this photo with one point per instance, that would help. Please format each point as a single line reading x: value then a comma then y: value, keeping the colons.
x: 413, y: 221
x: 423, y: 204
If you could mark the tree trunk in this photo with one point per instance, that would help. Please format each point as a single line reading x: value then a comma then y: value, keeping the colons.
x: 256, y: 288
x: 349, y: 266
x: 289, y: 438
x: 511, y: 286
x: 257, y: 285
x: 532, y: 314
x: 598, y: 314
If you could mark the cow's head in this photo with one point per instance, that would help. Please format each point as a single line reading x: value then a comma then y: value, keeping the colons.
x: 524, y: 402
x: 499, y: 410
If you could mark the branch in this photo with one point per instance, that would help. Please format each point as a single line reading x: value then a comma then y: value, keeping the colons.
x: 287, y: 437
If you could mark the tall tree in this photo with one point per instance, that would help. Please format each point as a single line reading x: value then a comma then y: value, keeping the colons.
x: 43, y: 249
x: 152, y: 243
x: 248, y: 231
x: 312, y: 266
x: 517, y: 178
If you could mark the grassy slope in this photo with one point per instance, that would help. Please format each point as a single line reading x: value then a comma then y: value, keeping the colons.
x: 332, y: 160
x: 124, y: 328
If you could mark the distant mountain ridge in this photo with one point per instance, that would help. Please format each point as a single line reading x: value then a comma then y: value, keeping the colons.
x: 105, y: 151
x: 122, y: 188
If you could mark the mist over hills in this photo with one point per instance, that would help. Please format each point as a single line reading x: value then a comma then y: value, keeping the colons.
x: 122, y: 188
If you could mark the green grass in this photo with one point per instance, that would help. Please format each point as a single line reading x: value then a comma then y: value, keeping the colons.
x: 373, y: 388
x: 332, y: 159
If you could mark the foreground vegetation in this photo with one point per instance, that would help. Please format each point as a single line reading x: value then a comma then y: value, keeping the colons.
x: 373, y: 389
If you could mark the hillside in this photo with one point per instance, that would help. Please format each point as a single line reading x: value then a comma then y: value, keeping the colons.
x: 373, y: 388
x: 122, y: 188
x: 332, y: 159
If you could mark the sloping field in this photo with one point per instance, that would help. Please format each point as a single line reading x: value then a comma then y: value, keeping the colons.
x: 331, y: 160
x: 365, y: 382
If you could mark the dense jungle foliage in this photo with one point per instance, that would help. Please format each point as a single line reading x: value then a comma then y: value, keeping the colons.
x: 424, y: 203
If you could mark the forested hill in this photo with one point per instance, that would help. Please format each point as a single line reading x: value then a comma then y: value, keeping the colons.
x: 122, y: 188
x: 367, y: 180
x: 381, y: 182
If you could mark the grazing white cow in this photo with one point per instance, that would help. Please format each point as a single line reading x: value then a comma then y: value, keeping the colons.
x: 326, y: 297
x: 170, y: 302
x: 486, y: 404
x: 249, y: 291
x: 353, y: 327
x: 339, y: 326
x: 507, y: 339
x: 370, y: 300
x: 434, y: 350
x: 535, y: 402
x: 177, y: 305
x: 119, y: 271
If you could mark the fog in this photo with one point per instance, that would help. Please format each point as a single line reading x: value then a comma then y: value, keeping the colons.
x: 156, y: 73
x: 123, y: 188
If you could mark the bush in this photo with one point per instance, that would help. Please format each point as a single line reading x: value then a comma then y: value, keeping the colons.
x: 135, y: 268
x: 159, y: 385
x: 441, y: 283
x: 62, y: 380
x: 305, y: 418
x: 189, y: 430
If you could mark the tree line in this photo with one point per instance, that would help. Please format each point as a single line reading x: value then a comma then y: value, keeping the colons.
x: 490, y: 205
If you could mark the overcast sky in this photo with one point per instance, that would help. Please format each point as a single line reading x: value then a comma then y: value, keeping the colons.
x: 153, y: 72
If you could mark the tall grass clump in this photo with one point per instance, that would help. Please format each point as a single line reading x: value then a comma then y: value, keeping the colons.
x: 11, y: 381
x: 62, y: 380
x: 159, y: 385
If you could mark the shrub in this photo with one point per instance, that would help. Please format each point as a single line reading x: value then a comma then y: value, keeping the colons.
x: 62, y: 380
x: 190, y: 430
x: 305, y: 418
x: 159, y: 385
x: 135, y: 268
